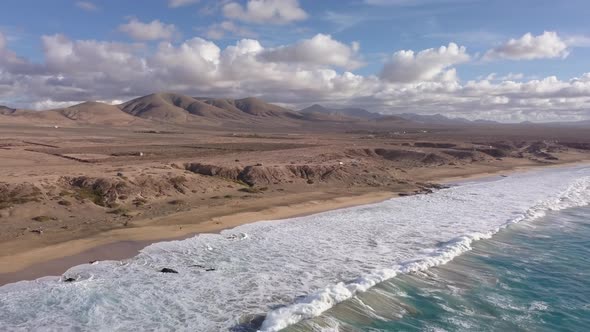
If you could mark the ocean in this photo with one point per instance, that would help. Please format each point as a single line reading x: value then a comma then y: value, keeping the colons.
x: 505, y: 253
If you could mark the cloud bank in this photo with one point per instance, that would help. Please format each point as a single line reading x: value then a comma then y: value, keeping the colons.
x: 311, y: 70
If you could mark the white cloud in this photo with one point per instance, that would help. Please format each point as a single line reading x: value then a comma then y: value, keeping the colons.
x: 87, y: 6
x: 266, y: 11
x: 528, y: 47
x: 219, y: 30
x: 153, y: 30
x: 194, y: 62
x: 320, y: 50
x: 180, y: 3
x: 578, y: 41
x: 427, y: 65
x: 76, y: 70
x: 2, y: 41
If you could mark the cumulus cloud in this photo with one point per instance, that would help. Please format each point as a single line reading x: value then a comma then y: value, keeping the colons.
x: 180, y: 3
x: 320, y: 50
x: 87, y: 6
x: 528, y: 47
x: 406, y: 66
x: 77, y: 70
x: 266, y: 11
x: 220, y: 30
x: 154, y: 30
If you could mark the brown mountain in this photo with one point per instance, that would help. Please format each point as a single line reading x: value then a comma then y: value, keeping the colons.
x: 254, y: 107
x: 32, y: 117
x: 357, y: 113
x: 88, y: 113
x: 159, y: 106
x: 96, y: 113
x: 4, y: 110
x: 171, y: 108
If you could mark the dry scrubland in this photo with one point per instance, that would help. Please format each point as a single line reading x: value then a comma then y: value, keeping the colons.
x: 68, y: 181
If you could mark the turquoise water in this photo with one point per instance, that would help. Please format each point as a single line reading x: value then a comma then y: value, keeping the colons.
x: 533, y: 276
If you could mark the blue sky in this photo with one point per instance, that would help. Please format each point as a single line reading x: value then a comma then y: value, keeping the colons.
x: 356, y: 62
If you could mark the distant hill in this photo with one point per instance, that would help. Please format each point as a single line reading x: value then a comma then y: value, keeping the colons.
x: 88, y: 113
x: 96, y: 113
x: 358, y: 113
x: 5, y: 110
x: 253, y: 107
x: 169, y: 107
x: 177, y: 108
x: 583, y: 123
x: 441, y: 119
x: 173, y: 108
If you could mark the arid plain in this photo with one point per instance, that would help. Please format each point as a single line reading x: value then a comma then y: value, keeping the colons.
x: 167, y: 166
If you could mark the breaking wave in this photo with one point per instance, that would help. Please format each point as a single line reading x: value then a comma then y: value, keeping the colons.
x: 577, y: 194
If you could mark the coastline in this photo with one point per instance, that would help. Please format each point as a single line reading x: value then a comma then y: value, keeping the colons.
x: 124, y: 243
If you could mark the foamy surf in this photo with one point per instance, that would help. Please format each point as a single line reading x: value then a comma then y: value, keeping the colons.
x: 577, y: 194
x: 287, y: 270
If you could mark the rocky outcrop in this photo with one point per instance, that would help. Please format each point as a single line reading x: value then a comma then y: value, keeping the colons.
x: 576, y: 145
x: 168, y: 270
x: 259, y: 174
x: 213, y: 170
x: 434, y: 145
x: 12, y: 194
x: 461, y: 154
x: 493, y: 152
x: 101, y: 191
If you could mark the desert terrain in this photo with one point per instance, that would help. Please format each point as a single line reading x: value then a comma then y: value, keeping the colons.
x: 168, y: 166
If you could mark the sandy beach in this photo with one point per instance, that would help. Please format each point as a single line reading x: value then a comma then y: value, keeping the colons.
x: 124, y: 243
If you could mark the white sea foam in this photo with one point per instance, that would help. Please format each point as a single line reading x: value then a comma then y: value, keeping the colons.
x: 288, y: 270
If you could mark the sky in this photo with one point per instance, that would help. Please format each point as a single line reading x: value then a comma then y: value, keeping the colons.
x: 500, y: 60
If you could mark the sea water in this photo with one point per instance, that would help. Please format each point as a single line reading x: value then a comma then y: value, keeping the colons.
x: 439, y: 262
x: 533, y: 276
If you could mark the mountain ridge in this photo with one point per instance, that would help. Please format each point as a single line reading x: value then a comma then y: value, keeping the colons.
x: 178, y: 109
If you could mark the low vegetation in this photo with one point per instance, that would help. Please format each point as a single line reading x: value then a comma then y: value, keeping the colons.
x: 43, y: 218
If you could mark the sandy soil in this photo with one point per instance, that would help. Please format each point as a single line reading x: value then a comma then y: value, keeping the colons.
x: 73, y: 195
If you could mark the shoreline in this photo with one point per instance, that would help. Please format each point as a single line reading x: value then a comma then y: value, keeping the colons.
x: 119, y: 244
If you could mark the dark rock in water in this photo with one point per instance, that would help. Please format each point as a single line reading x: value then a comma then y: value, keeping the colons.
x: 210, y: 269
x: 436, y: 186
x: 69, y: 279
x: 424, y: 191
x: 168, y: 270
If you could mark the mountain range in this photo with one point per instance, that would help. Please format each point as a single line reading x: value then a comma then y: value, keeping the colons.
x: 172, y: 108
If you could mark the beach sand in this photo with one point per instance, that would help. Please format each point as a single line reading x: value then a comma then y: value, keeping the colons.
x: 118, y: 244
